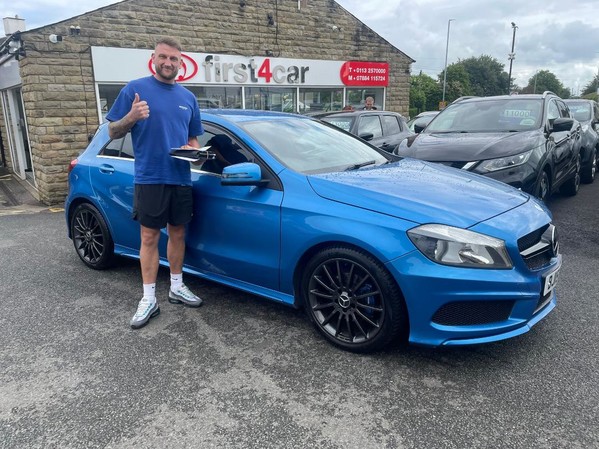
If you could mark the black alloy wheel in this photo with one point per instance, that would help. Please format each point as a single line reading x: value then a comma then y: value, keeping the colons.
x: 353, y: 300
x: 544, y: 187
x: 91, y: 237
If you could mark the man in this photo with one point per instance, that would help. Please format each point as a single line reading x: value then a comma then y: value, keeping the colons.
x: 369, y: 104
x: 161, y: 115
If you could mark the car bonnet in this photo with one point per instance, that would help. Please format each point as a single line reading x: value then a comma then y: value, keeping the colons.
x: 466, y: 147
x: 420, y: 192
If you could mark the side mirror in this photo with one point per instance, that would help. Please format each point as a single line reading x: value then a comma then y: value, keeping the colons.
x: 421, y: 123
x: 366, y: 136
x: 562, y: 124
x: 243, y: 174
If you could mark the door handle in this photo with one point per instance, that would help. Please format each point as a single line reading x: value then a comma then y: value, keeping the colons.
x: 104, y: 168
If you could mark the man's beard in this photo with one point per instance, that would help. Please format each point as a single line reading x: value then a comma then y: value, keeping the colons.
x: 166, y: 75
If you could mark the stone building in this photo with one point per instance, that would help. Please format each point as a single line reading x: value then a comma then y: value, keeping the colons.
x: 57, y: 81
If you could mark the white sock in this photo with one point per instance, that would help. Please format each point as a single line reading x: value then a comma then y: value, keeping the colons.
x: 176, y: 281
x: 150, y: 291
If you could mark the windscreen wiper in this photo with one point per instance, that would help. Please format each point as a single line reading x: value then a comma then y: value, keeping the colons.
x: 360, y: 165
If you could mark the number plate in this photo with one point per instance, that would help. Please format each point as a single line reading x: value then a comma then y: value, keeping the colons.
x: 549, y: 282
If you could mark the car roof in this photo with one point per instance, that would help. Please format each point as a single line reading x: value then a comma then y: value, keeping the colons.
x: 355, y: 113
x: 242, y: 115
x: 508, y: 97
x: 579, y: 100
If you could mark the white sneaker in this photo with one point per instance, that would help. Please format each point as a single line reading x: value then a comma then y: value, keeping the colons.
x: 145, y: 310
x: 184, y: 295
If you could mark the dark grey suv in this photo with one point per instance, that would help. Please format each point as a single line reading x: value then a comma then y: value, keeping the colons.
x: 384, y: 129
x: 528, y: 141
x: 587, y: 113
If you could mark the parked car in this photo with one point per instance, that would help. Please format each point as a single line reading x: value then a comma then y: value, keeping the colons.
x: 372, y: 245
x: 383, y: 129
x: 527, y: 141
x: 587, y: 113
x: 421, y: 120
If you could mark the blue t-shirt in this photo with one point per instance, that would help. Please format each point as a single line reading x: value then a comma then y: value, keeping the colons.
x: 174, y: 118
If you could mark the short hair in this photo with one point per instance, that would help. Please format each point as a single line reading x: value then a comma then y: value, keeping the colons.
x: 170, y: 41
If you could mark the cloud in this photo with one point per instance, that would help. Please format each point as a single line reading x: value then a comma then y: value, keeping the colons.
x: 551, y: 35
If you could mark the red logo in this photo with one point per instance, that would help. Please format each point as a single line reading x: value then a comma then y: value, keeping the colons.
x: 188, y: 69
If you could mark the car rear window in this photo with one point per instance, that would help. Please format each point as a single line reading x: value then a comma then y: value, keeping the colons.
x: 340, y: 122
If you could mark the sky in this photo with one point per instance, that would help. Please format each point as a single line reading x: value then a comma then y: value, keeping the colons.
x: 553, y: 35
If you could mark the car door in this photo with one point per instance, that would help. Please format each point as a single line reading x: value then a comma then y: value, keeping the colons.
x: 371, y: 124
x: 236, y: 230
x: 394, y: 131
x: 563, y: 145
x: 114, y: 189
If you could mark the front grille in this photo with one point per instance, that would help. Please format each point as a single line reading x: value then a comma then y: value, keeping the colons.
x: 531, y: 239
x: 539, y: 247
x: 471, y: 313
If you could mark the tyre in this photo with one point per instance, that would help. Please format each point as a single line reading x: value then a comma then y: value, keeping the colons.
x: 571, y: 186
x: 91, y: 237
x: 353, y: 300
x: 544, y: 187
x: 587, y: 174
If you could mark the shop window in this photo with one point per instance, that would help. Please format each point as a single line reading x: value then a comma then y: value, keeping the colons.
x: 317, y: 100
x: 108, y: 94
x: 357, y: 97
x: 271, y: 99
x: 216, y: 97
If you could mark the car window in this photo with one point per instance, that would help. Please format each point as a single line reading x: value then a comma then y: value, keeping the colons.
x: 112, y: 148
x: 310, y: 146
x: 563, y: 109
x: 340, y: 122
x: 552, y: 111
x: 127, y: 148
x: 504, y: 115
x: 227, y: 149
x: 370, y: 124
x: 580, y: 111
x: 392, y: 125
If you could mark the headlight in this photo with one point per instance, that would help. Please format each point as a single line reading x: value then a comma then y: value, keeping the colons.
x: 458, y: 247
x: 503, y: 162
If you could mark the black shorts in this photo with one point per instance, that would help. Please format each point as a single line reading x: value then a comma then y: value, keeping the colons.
x: 155, y: 205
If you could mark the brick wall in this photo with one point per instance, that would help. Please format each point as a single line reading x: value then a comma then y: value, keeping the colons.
x: 58, y: 86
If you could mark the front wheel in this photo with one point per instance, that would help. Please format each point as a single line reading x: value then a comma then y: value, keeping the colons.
x: 544, y: 187
x: 91, y: 237
x: 353, y: 300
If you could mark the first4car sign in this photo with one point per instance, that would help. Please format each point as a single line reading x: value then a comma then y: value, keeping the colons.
x: 208, y: 68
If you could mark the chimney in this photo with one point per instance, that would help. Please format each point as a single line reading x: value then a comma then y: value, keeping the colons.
x: 13, y: 24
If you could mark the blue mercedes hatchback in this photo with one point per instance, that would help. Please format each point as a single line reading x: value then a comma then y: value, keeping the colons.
x: 376, y: 248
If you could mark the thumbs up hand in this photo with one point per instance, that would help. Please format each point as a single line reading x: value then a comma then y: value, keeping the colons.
x: 139, y: 109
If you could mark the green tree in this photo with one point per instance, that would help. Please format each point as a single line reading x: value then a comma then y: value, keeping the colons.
x: 425, y: 94
x: 457, y: 83
x: 544, y: 80
x: 591, y: 88
x: 487, y: 76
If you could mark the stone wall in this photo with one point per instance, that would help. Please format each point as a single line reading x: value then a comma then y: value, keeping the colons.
x: 58, y: 86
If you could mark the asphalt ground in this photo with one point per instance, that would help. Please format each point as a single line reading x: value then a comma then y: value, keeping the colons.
x: 242, y: 372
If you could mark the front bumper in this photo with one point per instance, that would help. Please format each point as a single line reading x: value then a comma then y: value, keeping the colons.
x: 458, y: 306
